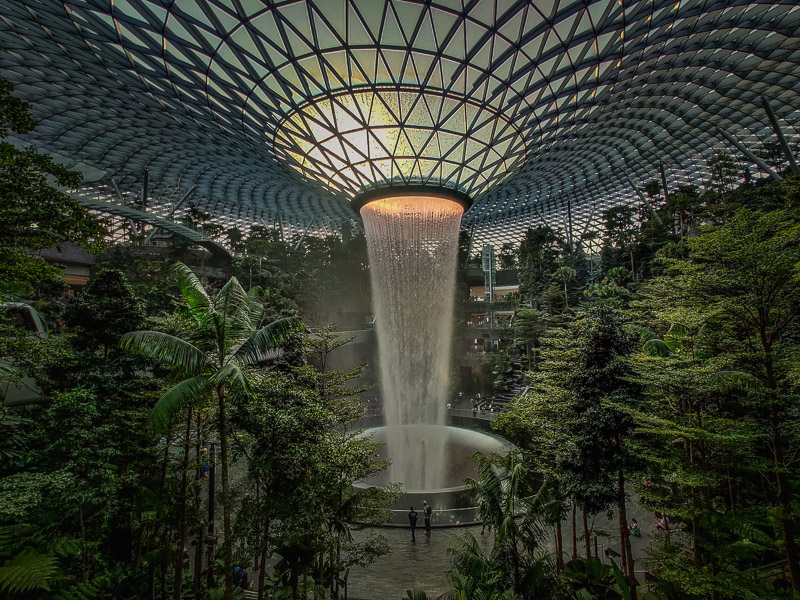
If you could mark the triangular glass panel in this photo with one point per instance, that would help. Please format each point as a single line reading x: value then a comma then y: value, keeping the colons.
x: 334, y: 13
x: 325, y: 38
x: 409, y: 15
x: 357, y: 34
x: 227, y: 20
x: 299, y: 45
x: 371, y: 12
x: 391, y: 35
x: 426, y: 38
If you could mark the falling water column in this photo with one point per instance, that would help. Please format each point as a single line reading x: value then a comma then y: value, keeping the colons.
x: 413, y: 246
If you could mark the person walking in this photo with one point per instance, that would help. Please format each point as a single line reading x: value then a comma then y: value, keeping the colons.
x: 412, y: 520
x: 426, y: 514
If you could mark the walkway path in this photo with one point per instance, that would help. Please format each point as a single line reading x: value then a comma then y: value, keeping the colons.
x: 425, y: 564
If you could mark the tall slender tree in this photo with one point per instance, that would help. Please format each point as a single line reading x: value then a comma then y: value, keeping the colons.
x: 214, y: 364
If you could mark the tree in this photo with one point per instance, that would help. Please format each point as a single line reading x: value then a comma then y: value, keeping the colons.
x: 724, y: 173
x: 538, y: 254
x: 507, y: 257
x: 215, y: 365
x: 347, y: 457
x: 497, y: 370
x: 685, y: 203
x: 235, y: 238
x: 621, y: 232
x: 518, y: 507
x: 570, y: 424
x: 565, y: 275
x: 105, y: 310
x: 35, y: 213
x: 529, y: 326
x: 746, y: 272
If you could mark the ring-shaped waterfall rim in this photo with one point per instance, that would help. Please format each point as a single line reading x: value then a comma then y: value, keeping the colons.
x: 401, y: 191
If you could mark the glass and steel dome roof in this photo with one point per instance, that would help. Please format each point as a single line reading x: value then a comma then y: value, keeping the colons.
x: 269, y: 111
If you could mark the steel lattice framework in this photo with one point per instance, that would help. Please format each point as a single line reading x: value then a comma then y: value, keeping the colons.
x: 230, y: 101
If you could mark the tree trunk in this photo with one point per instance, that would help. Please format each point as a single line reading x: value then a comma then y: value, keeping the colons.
x: 574, y: 533
x: 226, y: 497
x: 262, y: 572
x: 212, y: 512
x: 586, y: 542
x: 159, y: 530
x: 785, y: 514
x: 633, y: 265
x: 559, y: 544
x: 198, y: 552
x: 787, y: 524
x: 177, y: 584
x: 625, y: 540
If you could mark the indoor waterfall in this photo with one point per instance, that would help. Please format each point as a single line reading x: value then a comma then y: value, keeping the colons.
x: 413, y: 247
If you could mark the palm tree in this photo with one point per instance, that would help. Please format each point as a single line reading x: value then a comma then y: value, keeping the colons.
x: 508, y: 500
x: 212, y: 365
x: 566, y: 275
x: 474, y: 575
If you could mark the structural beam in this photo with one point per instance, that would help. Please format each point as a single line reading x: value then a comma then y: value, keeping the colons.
x: 180, y: 202
x: 164, y: 224
x: 776, y: 127
x: 664, y: 181
x: 746, y: 151
x: 646, y: 201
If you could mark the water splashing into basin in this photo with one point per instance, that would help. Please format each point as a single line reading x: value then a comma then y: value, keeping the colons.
x: 413, y: 245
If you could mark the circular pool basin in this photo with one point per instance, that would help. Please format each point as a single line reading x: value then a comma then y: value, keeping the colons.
x: 450, y: 499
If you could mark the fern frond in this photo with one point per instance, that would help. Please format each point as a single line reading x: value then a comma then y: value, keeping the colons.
x: 29, y: 570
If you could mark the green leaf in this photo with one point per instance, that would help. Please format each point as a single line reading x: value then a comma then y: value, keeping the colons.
x: 191, y: 289
x: 656, y: 347
x: 232, y: 377
x: 28, y: 570
x: 173, y: 351
x: 739, y: 380
x: 269, y: 337
x: 187, y: 392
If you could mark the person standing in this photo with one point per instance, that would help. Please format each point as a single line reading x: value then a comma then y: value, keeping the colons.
x: 426, y: 514
x: 412, y: 520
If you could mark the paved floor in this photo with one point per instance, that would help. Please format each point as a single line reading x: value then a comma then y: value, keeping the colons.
x: 422, y: 565
x: 425, y: 564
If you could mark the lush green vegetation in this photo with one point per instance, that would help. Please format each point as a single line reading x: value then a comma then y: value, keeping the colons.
x: 170, y: 443
x: 667, y: 373
x: 173, y: 443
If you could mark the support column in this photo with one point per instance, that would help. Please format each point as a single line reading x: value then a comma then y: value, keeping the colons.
x: 664, y: 181
x: 744, y: 150
x: 776, y: 127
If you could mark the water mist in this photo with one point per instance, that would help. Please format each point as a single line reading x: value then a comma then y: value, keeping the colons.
x: 413, y: 246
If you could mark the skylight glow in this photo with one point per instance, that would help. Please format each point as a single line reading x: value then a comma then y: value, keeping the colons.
x: 366, y: 138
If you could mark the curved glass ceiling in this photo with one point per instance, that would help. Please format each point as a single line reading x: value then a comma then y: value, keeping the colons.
x: 233, y: 105
x: 365, y: 138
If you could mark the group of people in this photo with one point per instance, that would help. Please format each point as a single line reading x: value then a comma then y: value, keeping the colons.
x: 242, y: 579
x: 483, y: 409
x: 661, y: 525
x: 427, y: 511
